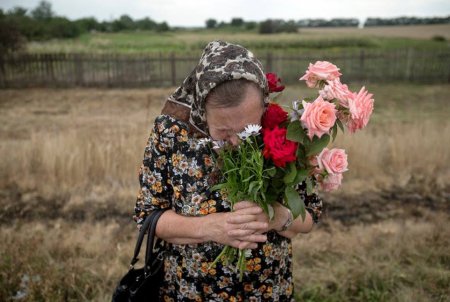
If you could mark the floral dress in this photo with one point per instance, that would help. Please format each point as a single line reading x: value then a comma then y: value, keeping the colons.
x: 176, y: 174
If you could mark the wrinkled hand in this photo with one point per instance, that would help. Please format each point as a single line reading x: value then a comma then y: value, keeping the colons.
x: 243, y: 228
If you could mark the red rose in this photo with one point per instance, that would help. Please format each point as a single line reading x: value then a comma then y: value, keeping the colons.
x: 273, y: 80
x: 277, y: 147
x: 274, y: 116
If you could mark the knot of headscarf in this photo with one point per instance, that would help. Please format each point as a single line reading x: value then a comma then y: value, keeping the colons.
x: 220, y: 62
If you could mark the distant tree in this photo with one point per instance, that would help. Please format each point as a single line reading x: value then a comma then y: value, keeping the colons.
x: 60, y: 28
x: 237, y: 22
x: 161, y: 27
x: 43, y: 11
x: 10, y: 37
x: 277, y: 26
x: 17, y: 11
x: 406, y: 21
x: 267, y: 27
x: 287, y: 27
x: 211, y: 23
x: 105, y: 26
x: 146, y: 24
x: 222, y: 24
x: 125, y: 22
x: 87, y: 24
x: 250, y: 25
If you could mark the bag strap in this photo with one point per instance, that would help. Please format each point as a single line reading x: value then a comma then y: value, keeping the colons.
x: 146, y: 228
x: 150, y: 241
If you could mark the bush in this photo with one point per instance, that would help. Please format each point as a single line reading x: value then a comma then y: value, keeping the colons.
x: 10, y: 38
x: 439, y: 38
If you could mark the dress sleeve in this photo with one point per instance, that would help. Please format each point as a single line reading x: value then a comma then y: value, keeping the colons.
x: 154, y: 174
x: 313, y: 203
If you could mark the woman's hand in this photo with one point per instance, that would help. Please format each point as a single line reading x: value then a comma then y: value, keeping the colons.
x: 243, y: 228
x: 249, y: 218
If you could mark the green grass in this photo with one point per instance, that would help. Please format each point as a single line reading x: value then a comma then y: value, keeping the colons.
x: 194, y: 41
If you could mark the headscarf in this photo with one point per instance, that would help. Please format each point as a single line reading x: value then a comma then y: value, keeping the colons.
x: 220, y: 62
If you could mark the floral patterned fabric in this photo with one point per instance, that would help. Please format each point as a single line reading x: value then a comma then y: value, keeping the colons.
x: 177, y: 173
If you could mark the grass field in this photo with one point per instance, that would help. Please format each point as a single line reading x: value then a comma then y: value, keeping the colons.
x: 68, y: 179
x: 309, y: 38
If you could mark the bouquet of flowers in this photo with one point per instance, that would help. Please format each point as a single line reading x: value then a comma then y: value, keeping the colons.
x: 289, y: 148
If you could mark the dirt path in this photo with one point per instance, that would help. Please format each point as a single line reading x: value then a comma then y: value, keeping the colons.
x: 369, y: 207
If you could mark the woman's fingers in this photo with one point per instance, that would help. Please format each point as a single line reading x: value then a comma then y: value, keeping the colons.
x: 244, y: 244
x: 247, y: 245
x: 237, y: 218
x: 254, y: 210
x: 240, y: 232
x: 244, y: 204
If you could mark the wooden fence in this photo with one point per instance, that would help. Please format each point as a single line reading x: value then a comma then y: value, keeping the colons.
x: 113, y: 70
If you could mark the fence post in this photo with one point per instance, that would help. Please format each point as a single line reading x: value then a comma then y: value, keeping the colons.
x: 409, y: 58
x: 173, y: 68
x: 78, y: 69
x: 269, y: 63
x: 362, y: 58
x: 2, y: 71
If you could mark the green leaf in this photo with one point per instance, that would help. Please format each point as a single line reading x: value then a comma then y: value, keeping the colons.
x: 272, y: 171
x: 293, y: 200
x: 339, y: 123
x: 218, y: 187
x: 302, y: 211
x: 334, y: 132
x: 295, y: 132
x: 248, y: 178
x: 290, y: 176
x: 318, y: 145
x: 253, y: 187
x: 300, y: 152
x: 301, y: 176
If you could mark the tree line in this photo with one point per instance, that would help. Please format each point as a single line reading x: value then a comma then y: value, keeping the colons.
x: 41, y: 23
x: 277, y: 25
x: 19, y: 24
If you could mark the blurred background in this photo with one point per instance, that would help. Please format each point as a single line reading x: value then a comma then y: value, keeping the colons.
x: 82, y: 81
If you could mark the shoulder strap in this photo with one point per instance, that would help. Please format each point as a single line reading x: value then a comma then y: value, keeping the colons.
x: 152, y: 217
x: 151, y: 240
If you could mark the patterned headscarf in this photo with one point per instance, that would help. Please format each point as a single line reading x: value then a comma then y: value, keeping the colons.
x: 220, y: 62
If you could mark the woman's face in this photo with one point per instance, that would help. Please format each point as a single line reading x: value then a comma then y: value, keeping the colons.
x: 224, y: 123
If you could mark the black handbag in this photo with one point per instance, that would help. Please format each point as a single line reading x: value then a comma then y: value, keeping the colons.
x: 143, y: 284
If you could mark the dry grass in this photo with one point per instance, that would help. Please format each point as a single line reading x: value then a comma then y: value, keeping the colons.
x: 68, y: 178
x: 404, y: 260
x: 79, y: 139
x: 394, y: 260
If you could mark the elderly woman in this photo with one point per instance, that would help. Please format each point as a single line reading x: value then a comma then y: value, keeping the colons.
x: 224, y: 93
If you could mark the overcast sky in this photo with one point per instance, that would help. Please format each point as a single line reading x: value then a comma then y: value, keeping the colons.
x: 195, y: 12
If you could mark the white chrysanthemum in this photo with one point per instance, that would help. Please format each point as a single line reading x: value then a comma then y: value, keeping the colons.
x: 253, y: 129
x: 243, y: 135
x: 250, y: 130
x: 218, y: 144
x: 202, y: 143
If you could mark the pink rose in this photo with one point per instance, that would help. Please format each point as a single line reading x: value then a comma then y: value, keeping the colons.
x: 360, y: 106
x: 331, y: 182
x: 333, y: 161
x: 318, y: 117
x: 336, y: 90
x: 321, y: 70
